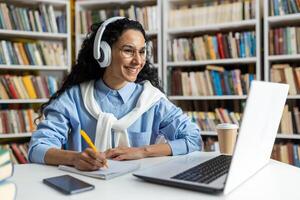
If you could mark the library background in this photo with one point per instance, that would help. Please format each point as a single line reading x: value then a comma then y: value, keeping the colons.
x: 206, y: 53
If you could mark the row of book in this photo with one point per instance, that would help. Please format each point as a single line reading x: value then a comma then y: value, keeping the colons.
x: 284, y: 41
x: 18, y: 152
x: 288, y: 153
x: 211, y: 12
x: 207, y: 121
x: 153, y: 44
x: 283, y: 7
x: 285, y: 73
x: 214, y: 80
x: 8, y: 189
x: 211, y: 47
x: 290, y: 121
x: 41, y: 19
x: 27, y: 87
x: 211, y: 144
x: 147, y: 16
x: 33, y: 53
x: 17, y: 121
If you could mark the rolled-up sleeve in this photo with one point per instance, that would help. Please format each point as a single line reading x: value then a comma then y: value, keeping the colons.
x: 182, y: 134
x: 52, y: 132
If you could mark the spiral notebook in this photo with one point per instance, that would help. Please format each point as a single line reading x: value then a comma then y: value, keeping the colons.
x: 116, y: 168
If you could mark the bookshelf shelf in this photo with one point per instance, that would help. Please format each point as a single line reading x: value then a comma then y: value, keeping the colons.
x: 279, y: 135
x: 209, y: 133
x: 209, y: 62
x: 93, y: 5
x: 288, y: 136
x: 223, y: 97
x: 22, y: 101
x: 149, y: 33
x: 33, y: 35
x: 34, y: 67
x: 60, y: 3
x: 279, y: 20
x: 15, y: 135
x: 293, y: 97
x: 214, y: 27
x: 283, y: 57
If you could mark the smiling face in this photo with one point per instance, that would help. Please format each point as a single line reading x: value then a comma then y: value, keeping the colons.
x: 127, y: 59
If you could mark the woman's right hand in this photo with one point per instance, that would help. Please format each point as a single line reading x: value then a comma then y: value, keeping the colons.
x: 89, y: 160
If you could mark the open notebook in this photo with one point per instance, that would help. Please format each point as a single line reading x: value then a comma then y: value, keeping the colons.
x: 116, y: 168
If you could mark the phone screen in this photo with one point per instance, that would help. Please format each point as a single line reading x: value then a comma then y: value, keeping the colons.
x: 68, y: 184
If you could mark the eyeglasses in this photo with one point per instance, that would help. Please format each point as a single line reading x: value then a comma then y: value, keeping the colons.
x: 130, y: 52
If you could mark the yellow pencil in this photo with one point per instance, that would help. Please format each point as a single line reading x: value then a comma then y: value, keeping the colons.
x: 90, y: 143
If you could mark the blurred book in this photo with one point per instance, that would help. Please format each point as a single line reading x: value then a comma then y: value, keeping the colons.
x: 7, y: 190
x: 6, y: 166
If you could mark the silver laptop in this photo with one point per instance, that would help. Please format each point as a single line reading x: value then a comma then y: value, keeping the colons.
x: 252, y: 152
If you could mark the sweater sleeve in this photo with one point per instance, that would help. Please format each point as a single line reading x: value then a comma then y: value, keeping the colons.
x: 53, y: 131
x: 182, y: 134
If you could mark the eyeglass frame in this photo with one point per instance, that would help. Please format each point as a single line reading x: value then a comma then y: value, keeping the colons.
x: 147, y: 46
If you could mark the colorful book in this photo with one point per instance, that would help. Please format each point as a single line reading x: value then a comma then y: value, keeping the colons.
x: 6, y: 167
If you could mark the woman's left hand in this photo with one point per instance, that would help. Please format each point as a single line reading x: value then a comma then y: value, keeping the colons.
x: 125, y: 153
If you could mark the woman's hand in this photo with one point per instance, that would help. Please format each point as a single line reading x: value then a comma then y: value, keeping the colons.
x: 89, y: 160
x: 133, y: 153
x: 125, y: 153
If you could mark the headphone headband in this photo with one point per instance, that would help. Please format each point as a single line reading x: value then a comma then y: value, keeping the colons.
x: 98, y: 37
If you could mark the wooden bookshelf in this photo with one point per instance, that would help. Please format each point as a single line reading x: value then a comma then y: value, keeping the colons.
x: 22, y: 101
x: 15, y: 135
x: 34, y: 67
x: 94, y: 5
x: 200, y: 29
x: 212, y: 62
x: 223, y: 97
x: 279, y: 21
x: 61, y: 8
x: 279, y: 135
x: 286, y: 142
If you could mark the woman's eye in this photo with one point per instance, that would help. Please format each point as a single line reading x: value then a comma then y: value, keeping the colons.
x: 129, y: 51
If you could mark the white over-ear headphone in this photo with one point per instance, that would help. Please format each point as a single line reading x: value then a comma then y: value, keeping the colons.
x: 102, y: 50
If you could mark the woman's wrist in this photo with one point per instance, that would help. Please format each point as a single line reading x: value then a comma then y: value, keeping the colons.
x: 156, y: 150
x: 73, y: 158
x: 56, y: 156
x: 145, y: 151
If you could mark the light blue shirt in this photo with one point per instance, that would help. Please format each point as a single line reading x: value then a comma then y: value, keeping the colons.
x: 66, y: 116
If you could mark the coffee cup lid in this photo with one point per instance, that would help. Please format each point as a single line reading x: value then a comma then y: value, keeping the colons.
x: 227, y: 126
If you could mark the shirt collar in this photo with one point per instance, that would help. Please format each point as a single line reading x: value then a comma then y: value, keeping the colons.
x: 125, y: 92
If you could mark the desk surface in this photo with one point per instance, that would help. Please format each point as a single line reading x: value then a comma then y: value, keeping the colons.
x: 275, y: 181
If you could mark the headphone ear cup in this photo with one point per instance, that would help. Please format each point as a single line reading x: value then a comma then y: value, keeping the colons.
x: 105, y: 54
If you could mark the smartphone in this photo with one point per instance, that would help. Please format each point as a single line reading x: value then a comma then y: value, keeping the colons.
x: 68, y: 184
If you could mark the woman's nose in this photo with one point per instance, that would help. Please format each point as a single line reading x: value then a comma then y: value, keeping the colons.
x: 137, y: 58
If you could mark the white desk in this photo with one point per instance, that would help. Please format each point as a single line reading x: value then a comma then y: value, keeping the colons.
x: 275, y: 181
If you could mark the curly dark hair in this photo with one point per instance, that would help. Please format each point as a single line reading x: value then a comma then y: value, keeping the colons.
x: 87, y: 68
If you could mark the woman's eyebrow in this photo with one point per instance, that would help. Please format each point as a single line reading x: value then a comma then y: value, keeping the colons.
x: 132, y: 46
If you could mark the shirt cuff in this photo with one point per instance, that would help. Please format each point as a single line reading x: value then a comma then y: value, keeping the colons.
x: 38, y: 152
x: 178, y: 147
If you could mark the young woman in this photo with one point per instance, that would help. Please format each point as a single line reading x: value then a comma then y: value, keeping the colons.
x: 118, y: 103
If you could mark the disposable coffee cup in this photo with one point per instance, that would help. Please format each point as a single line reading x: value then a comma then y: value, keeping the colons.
x: 227, y: 134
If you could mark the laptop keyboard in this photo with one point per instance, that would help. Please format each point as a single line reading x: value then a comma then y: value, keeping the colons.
x: 208, y: 171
